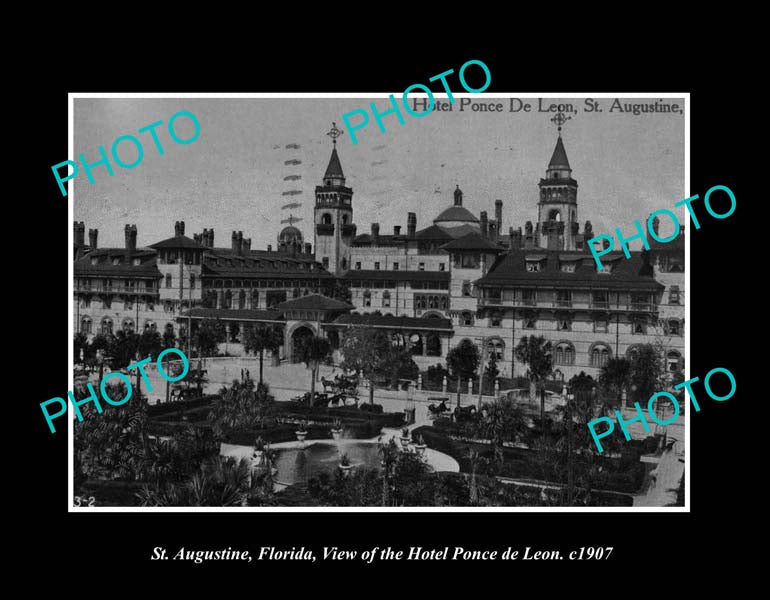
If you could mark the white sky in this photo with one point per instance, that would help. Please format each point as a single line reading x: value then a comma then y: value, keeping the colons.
x: 232, y: 177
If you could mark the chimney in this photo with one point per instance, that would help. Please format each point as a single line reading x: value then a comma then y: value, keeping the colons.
x: 179, y: 228
x: 458, y: 196
x: 234, y: 242
x: 130, y: 231
x: 588, y: 230
x: 308, y: 248
x: 655, y: 225
x: 411, y: 224
x: 197, y: 237
x: 269, y: 247
x: 211, y: 238
x: 247, y: 245
x: 484, y: 224
x: 93, y: 234
x: 499, y: 214
x: 396, y: 229
x: 515, y: 238
x: 375, y: 232
x: 80, y: 234
x: 240, y: 243
x: 529, y: 236
x: 605, y: 243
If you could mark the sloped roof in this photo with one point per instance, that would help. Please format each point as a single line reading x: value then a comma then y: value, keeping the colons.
x: 313, y: 302
x: 393, y: 322
x: 559, y: 157
x: 334, y: 170
x: 434, y: 232
x: 472, y: 241
x: 359, y: 275
x: 511, y: 270
x: 456, y: 213
x: 179, y: 241
x: 229, y: 314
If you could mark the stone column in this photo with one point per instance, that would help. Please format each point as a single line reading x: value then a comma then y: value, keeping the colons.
x: 443, y: 385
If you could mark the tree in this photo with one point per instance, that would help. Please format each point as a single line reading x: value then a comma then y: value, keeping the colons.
x: 81, y: 343
x: 491, y: 372
x: 207, y: 337
x: 169, y: 338
x: 124, y: 349
x: 240, y: 407
x: 463, y: 360
x: 110, y: 444
x: 535, y: 352
x: 312, y: 351
x: 260, y: 338
x: 367, y: 351
x: 500, y: 421
x: 340, y: 291
x: 646, y: 374
x: 615, y: 377
x: 149, y: 343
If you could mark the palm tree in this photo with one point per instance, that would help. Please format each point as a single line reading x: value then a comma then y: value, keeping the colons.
x: 615, y: 377
x: 312, y: 351
x: 389, y: 453
x: 535, y: 352
x: 501, y: 421
x: 474, y: 458
x: 261, y: 338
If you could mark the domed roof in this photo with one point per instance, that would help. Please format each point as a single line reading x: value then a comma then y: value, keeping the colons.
x: 290, y: 233
x: 456, y: 213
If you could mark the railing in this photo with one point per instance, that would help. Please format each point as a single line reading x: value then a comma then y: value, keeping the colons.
x: 563, y: 303
x: 116, y: 289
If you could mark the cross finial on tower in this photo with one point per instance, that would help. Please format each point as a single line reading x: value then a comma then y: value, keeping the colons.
x: 335, y: 132
x: 560, y: 119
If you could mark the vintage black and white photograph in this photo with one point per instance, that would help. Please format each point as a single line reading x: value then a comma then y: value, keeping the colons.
x: 423, y: 319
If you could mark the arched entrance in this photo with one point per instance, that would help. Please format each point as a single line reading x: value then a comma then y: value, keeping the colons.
x: 298, y: 337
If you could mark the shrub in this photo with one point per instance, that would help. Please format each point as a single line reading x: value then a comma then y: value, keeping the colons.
x: 372, y: 408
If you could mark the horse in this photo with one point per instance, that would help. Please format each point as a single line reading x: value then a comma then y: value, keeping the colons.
x: 464, y: 413
x: 437, y: 411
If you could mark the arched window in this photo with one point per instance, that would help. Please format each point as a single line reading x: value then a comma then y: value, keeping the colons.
x: 674, y: 360
x: 432, y: 301
x: 600, y: 354
x: 169, y: 328
x: 496, y: 348
x: 466, y: 318
x: 85, y: 325
x: 344, y: 263
x: 673, y: 327
x: 495, y: 318
x: 367, y: 298
x: 254, y: 298
x: 554, y: 215
x: 564, y: 354
x: 326, y: 219
x: 106, y: 326
x: 558, y: 375
x: 228, y: 299
x: 344, y: 219
x: 444, y: 302
x: 150, y: 326
x: 128, y: 325
x: 168, y: 280
x: 192, y: 281
x: 386, y: 299
x: 242, y: 299
x: 632, y: 352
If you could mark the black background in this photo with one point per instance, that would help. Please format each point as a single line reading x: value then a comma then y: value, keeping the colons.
x: 656, y: 544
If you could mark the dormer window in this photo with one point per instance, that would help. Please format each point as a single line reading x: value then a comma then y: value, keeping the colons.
x: 606, y: 268
x: 137, y: 262
x: 533, y: 266
x: 568, y: 267
x: 116, y: 261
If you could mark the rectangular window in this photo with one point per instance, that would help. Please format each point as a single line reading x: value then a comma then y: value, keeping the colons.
x: 601, y: 326
x: 638, y: 328
x: 358, y: 266
x: 673, y: 327
x: 395, y: 266
x: 421, y: 267
x: 563, y: 298
x: 441, y: 267
x: 466, y: 288
x: 470, y: 261
x: 673, y: 295
x: 533, y: 266
x: 376, y: 266
x: 325, y: 262
x: 529, y: 297
x: 529, y: 323
x: 599, y: 300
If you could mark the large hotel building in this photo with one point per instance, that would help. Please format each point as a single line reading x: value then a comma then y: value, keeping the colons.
x: 461, y: 276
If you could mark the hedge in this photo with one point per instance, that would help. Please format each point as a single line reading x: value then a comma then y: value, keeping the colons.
x: 285, y: 432
x: 155, y: 410
x: 617, y: 475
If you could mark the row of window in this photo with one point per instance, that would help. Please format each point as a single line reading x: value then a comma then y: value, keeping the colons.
x: 671, y: 326
x: 415, y: 285
x: 599, y: 298
x: 127, y: 325
x: 395, y: 266
x: 564, y: 354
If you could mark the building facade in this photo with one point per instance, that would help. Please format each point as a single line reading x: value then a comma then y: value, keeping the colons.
x: 457, y: 278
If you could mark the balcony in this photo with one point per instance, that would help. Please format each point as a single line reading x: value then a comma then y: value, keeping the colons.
x: 347, y: 230
x: 102, y: 289
x: 322, y: 229
x: 603, y: 305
